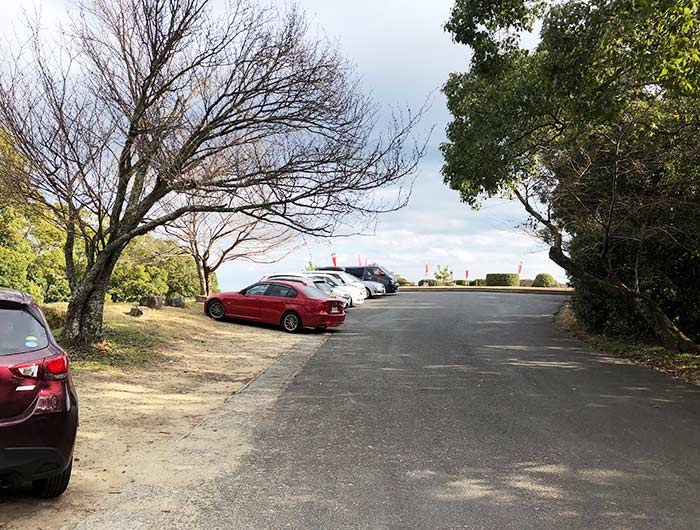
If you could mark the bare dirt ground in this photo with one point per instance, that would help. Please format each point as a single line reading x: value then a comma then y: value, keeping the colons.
x: 131, y: 419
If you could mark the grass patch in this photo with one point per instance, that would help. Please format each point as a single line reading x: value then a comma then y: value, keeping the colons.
x: 683, y: 366
x: 130, y: 341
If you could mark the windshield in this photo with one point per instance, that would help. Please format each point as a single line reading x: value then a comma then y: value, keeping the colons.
x: 331, y: 280
x: 348, y: 278
x: 389, y: 274
x: 20, y: 332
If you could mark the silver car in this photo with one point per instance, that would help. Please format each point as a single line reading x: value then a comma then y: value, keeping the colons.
x: 374, y: 289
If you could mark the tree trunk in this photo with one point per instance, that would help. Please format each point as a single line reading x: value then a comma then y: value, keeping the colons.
x: 207, y: 280
x: 203, y: 288
x: 84, y: 320
x: 669, y: 335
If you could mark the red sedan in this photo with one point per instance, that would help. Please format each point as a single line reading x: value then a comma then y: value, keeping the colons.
x: 293, y: 306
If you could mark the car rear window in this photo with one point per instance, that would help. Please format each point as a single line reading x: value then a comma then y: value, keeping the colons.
x: 323, y: 286
x: 283, y: 291
x: 20, y: 332
x: 312, y: 292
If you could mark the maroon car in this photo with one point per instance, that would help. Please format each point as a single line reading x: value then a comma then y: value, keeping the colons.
x: 38, y: 405
x: 293, y: 306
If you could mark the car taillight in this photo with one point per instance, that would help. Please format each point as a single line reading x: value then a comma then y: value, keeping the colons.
x: 57, y: 367
x: 50, y: 374
x: 52, y: 368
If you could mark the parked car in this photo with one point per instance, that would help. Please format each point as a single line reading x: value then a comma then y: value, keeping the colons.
x: 332, y: 289
x: 293, y: 306
x: 355, y: 288
x: 373, y: 273
x: 38, y: 403
x: 374, y: 289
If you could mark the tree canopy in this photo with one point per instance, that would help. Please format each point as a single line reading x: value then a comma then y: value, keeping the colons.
x: 595, y: 132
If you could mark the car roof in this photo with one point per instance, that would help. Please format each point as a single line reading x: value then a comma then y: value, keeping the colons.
x: 280, y: 282
x: 18, y: 297
x: 286, y: 278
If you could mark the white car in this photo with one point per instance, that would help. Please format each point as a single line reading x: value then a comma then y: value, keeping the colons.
x: 326, y: 286
x: 358, y: 292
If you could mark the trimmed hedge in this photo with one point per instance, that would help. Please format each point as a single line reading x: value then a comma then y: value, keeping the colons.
x: 478, y: 283
x: 503, y: 280
x: 544, y: 280
x: 461, y: 283
x: 428, y: 282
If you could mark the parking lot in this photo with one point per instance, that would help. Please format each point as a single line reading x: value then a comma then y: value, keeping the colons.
x: 443, y: 411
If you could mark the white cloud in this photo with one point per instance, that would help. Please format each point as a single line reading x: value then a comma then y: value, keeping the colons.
x: 403, y: 55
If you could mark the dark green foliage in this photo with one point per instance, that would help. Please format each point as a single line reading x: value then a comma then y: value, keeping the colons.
x: 429, y: 282
x: 595, y: 132
x: 544, y: 280
x: 478, y: 283
x: 503, y: 280
x: 461, y: 283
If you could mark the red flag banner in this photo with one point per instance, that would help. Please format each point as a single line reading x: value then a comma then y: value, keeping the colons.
x: 467, y: 274
x: 520, y: 268
x: 426, y: 269
x: 333, y: 257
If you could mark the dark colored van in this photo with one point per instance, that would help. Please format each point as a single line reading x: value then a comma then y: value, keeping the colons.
x: 38, y: 405
x: 373, y: 273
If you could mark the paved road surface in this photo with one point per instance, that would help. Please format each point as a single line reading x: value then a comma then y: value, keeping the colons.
x: 448, y: 411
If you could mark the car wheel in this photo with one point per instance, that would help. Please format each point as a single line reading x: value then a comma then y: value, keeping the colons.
x: 53, y: 486
x: 369, y: 293
x: 291, y: 322
x: 215, y: 310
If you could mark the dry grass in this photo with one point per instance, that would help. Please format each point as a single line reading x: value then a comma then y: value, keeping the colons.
x: 151, y: 382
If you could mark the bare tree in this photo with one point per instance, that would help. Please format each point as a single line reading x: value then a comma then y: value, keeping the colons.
x: 213, y: 239
x: 141, y: 101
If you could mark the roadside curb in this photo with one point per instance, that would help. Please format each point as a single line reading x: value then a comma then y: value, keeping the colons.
x: 511, y: 290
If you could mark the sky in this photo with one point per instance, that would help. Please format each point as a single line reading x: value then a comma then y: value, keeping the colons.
x: 403, y: 56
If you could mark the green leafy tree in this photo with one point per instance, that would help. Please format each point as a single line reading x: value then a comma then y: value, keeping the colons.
x: 594, y: 133
x: 443, y: 274
x: 153, y: 266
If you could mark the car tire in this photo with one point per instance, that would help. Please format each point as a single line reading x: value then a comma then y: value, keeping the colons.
x: 291, y: 322
x: 216, y: 310
x: 369, y: 293
x: 53, y: 486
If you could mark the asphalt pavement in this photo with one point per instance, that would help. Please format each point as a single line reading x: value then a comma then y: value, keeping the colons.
x: 437, y: 411
x: 447, y: 411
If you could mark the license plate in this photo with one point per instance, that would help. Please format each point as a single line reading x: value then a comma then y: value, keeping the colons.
x: 335, y: 309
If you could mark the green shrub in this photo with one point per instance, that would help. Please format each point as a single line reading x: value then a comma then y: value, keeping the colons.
x: 599, y: 313
x: 403, y: 282
x: 503, y: 280
x: 544, y: 280
x: 478, y: 283
x: 461, y: 283
x: 429, y: 282
x: 526, y: 283
x: 55, y: 316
